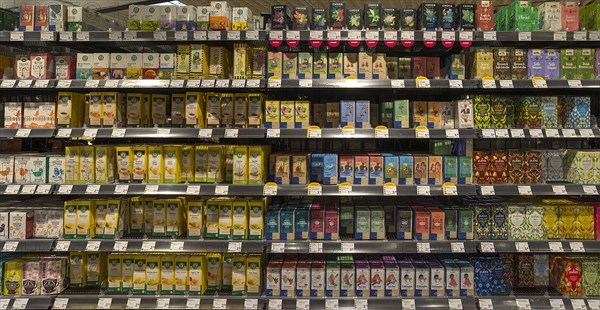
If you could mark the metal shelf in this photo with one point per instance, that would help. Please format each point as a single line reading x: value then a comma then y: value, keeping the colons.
x: 29, y: 302
x: 164, y: 245
x: 374, y: 302
x: 372, y: 246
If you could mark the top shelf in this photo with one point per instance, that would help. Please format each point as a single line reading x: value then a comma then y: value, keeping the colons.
x: 406, y: 38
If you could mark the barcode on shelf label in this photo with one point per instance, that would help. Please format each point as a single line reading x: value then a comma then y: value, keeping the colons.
x: 423, y: 190
x: 4, y: 303
x: 575, y: 84
x: 361, y: 304
x: 41, y: 84
x: 372, y: 35
x: 523, y: 304
x: 590, y: 190
x: 253, y: 83
x: 83, y: 36
x: 12, y: 189
x: 10, y: 246
x: 62, y: 246
x: 488, y: 83
x: 64, y: 133
x: 60, y: 303
x: 487, y: 247
x: 576, y: 246
x: 522, y: 246
x: 47, y: 36
x: 398, y: 84
x: 92, y: 84
x: 382, y: 133
x: 552, y: 133
x: 104, y: 303
x: 594, y: 35
x: 465, y: 36
x: 277, y: 247
x: 315, y: 247
x: 407, y: 35
x: 517, y: 133
x: 594, y: 304
x: 559, y: 189
x: 348, y: 131
x: 90, y: 133
x: 390, y: 190
x: 221, y: 190
x: 163, y: 303
x: 560, y: 36
x: 456, y: 84
x: 408, y: 304
x: 192, y: 190
x: 578, y: 304
x: 429, y: 36
x: 176, y: 245
x: 486, y: 304
x: 121, y: 189
x: 192, y: 303
x: 502, y: 133
x: 273, y: 133
x: 270, y: 190
x: 133, y: 303
x: 22, y: 133
x: 450, y: 190
x: 193, y: 83
x: 43, y: 189
x: 457, y: 247
x: 222, y: 83
x: 332, y: 304
x: 315, y: 190
x: 569, y: 133
x: 219, y: 303
x: 525, y: 36
x: 345, y: 189
x: 16, y: 36
x: 448, y: 36
x: 199, y: 35
x: 92, y: 189
x: 424, y: 83
x: 275, y: 304
x: 150, y: 189
x: 455, y: 304
x: 524, y: 190
x: 20, y: 303
x: 276, y: 35
x: 556, y: 247
x: 423, y: 247
x: 92, y: 246
x: 120, y: 246
x: 422, y: 133
x: 274, y: 83
x: 160, y: 36
x: 8, y: 83
x: 148, y: 245
x: 557, y: 304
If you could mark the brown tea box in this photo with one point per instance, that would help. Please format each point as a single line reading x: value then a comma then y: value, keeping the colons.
x: 518, y: 67
x: 500, y: 165
x: 533, y: 170
x: 421, y: 169
x: 516, y: 171
x: 524, y: 271
x: 405, y: 68
x: 435, y: 170
x: 419, y: 66
x: 481, y: 161
x: 433, y: 68
x: 502, y: 64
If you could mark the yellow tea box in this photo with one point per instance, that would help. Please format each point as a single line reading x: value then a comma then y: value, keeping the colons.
x: 172, y: 164
x: 201, y: 163
x: 198, y: 275
x: 216, y: 162
x: 114, y: 273
x: 160, y: 213
x: 225, y: 218
x: 94, y: 272
x: 214, y: 271
x: 187, y: 163
x: 253, y: 275
x: 177, y: 109
x: 167, y: 274
x: 87, y: 169
x: 13, y: 276
x: 70, y: 220
x: 272, y: 114
x: 77, y: 269
x: 274, y: 64
x: 287, y: 114
x: 257, y: 161
x: 152, y: 274
x: 127, y: 271
x: 139, y: 163
x: 100, y: 216
x: 115, y: 215
x: 124, y: 163
x: 256, y: 218
x: 212, y: 218
x: 302, y: 114
x: 104, y: 164
x: 238, y: 275
x: 194, y: 219
x: 95, y: 109
x: 194, y: 106
x: 227, y: 269
x: 155, y: 164
x: 71, y: 164
x: 134, y: 63
x: 255, y: 111
x: 239, y: 230
x: 240, y: 165
x: 148, y: 215
x: 159, y: 109
x: 136, y: 215
x: 135, y: 110
x: 85, y: 220
x: 110, y: 115
x: 213, y: 110
x: 240, y: 110
x: 181, y: 274
x: 173, y: 217
x: 139, y: 274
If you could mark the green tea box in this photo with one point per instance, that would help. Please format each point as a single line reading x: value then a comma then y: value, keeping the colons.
x: 319, y: 66
x: 451, y: 223
x: 500, y: 115
x: 590, y: 276
x: 549, y: 112
x: 530, y: 112
x: 568, y: 63
x: 465, y: 224
x: 482, y: 112
x: 305, y: 65
x: 534, y: 223
x: 585, y: 64
x: 335, y: 66
x: 401, y: 114
x: 516, y: 222
x: 450, y: 173
x: 290, y: 66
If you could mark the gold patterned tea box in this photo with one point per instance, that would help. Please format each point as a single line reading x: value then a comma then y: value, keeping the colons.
x: 114, y: 272
x: 155, y: 164
x: 167, y: 274
x: 194, y: 219
x: 152, y: 274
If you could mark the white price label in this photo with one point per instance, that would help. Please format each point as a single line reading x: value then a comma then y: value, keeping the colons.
x: 192, y: 303
x: 348, y: 131
x: 423, y: 190
x: 275, y: 304
x: 524, y: 190
x: 274, y: 83
x: 238, y: 83
x: 316, y: 35
x: 118, y: 133
x: 580, y: 35
x: 24, y: 83
x: 557, y: 304
x: 104, y: 303
x: 594, y: 35
x: 353, y: 35
x: 83, y: 36
x: 448, y: 36
x: 65, y: 189
x: 252, y: 35
x: 489, y: 36
x: 305, y: 83
x: 10, y: 246
x: 163, y: 303
x: 488, y: 133
x: 292, y: 35
x: 590, y: 190
x: 8, y: 83
x: 148, y: 246
x: 221, y: 190
x: 332, y: 304
x: 115, y: 35
x: 234, y: 247
x: 253, y: 83
x: 487, y: 247
x: 41, y: 83
x: 90, y: 133
x: 455, y: 304
x: 408, y: 304
x: 66, y: 36
x: 345, y: 190
x: 199, y: 35
x: 457, y: 247
x: 361, y: 304
x: 452, y: 133
x: 92, y: 189
x: 455, y: 83
x: 43, y: 189
x: 552, y: 133
x: 92, y: 246
x: 273, y: 133
x: 16, y: 36
x: 559, y: 189
x: 20, y: 303
x: 372, y: 35
x: 12, y: 189
x: 486, y: 304
x: 115, y: 83
x: 60, y: 303
x: 569, y: 133
x: 586, y: 133
x: 160, y: 36
x: 133, y: 303
x: 207, y: 83
x: 450, y: 190
x: 196, y: 83
x: 423, y: 83
x: 270, y: 190
x: 222, y: 83
x: 575, y: 84
x: 219, y: 303
x: 28, y: 189
x: 205, y: 133
x: 556, y: 247
x: 63, y: 84
x: 465, y: 36
x: 488, y: 84
x: 62, y: 246
x: 517, y: 133
x: 214, y: 35
x: 523, y: 304
x: 176, y: 246
x: 276, y: 35
x: 536, y: 133
x: 502, y: 133
x: 47, y: 36
x: 233, y: 35
x: 92, y: 84
x: 314, y: 133
x: 540, y: 84
x: 231, y: 133
x: 525, y: 36
x: 398, y: 84
x: 336, y: 36
x: 121, y: 189
x: 578, y: 304
x: 382, y: 133
x: 576, y: 246
x: 422, y: 133
x: 429, y: 36
x: 120, y: 246
x: 277, y: 247
x: 506, y: 84
x: 390, y: 191
x: 4, y: 303
x: 347, y: 247
x: 423, y: 247
x: 303, y: 304
x: 407, y: 35
x: 63, y: 133
x: 560, y: 36
x: 192, y: 190
x: 390, y: 35
x: 594, y: 304
x: 522, y: 246
x: 315, y: 247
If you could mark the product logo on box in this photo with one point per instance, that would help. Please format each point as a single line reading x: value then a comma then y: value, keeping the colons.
x: 204, y: 10
x: 150, y: 57
x: 184, y: 10
x: 101, y: 57
x: 123, y: 154
x: 74, y: 11
x: 218, y: 6
x: 85, y: 57
x: 136, y: 9
x: 151, y: 10
x: 168, y: 10
x: 240, y: 12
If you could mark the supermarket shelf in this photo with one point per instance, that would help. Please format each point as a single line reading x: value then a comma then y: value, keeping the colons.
x: 538, y: 302
x: 28, y: 245
x: 539, y: 246
x: 161, y: 245
x: 374, y: 302
x: 372, y: 246
x: 296, y: 190
x: 241, y: 84
x: 27, y: 302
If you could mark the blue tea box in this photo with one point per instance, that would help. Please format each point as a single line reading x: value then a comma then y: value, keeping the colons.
x: 316, y: 167
x: 390, y: 164
x: 286, y: 223
x: 272, y: 224
x: 347, y: 113
x: 576, y: 112
x: 302, y: 218
x: 346, y: 168
x: 376, y: 165
x: 405, y: 164
x: 362, y: 117
x: 330, y: 169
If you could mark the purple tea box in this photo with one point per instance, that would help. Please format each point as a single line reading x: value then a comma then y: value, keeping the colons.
x: 407, y: 279
x: 552, y: 61
x: 421, y: 279
x: 377, y: 278
x: 363, y: 276
x: 392, y: 276
x: 535, y: 63
x: 436, y: 279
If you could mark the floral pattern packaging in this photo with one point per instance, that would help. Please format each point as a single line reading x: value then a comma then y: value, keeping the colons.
x: 566, y: 276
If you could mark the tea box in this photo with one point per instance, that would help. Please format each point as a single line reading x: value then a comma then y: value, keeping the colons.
x: 499, y: 172
x: 483, y: 63
x: 589, y: 276
x: 407, y: 276
x: 566, y: 276
x: 390, y: 19
x: 585, y: 64
x: 177, y: 109
x: 568, y: 63
x: 290, y: 66
x: 483, y: 221
x: 448, y: 16
x: 274, y: 67
x: 53, y: 275
x: 30, y: 169
x: 535, y: 63
x: 482, y: 111
x: 273, y: 284
x: 516, y: 223
x: 172, y: 164
x: 380, y: 68
x: 365, y: 65
x: 407, y: 19
x: 419, y: 66
x: 434, y: 117
x: 134, y: 63
x: 455, y: 66
x: 518, y: 64
x: 530, y: 112
x: 304, y: 65
x: 429, y: 16
x: 405, y: 70
x: 421, y: 279
x: 354, y: 19
x: 185, y: 18
x: 570, y: 16
x: 576, y: 112
x: 502, y: 64
x: 534, y: 167
x: 549, y: 112
x: 286, y: 117
x: 465, y: 16
x: 373, y: 13
x: 552, y: 64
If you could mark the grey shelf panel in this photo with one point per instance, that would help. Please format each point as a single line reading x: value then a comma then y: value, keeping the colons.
x: 31, y: 245
x: 166, y: 245
x: 539, y: 246
x: 88, y: 301
x: 373, y: 246
x: 33, y: 302
x: 378, y: 303
x: 539, y: 302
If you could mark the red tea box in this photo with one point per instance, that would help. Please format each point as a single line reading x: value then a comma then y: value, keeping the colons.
x: 516, y: 171
x: 421, y: 169
x: 299, y: 169
x: 288, y: 278
x: 437, y: 224
x: 533, y: 167
x: 421, y: 223
x: 282, y: 169
x: 420, y: 113
x: 597, y: 221
x: 484, y: 15
x: 42, y: 67
x: 41, y: 18
x: 26, y: 17
x: 317, y: 225
x: 524, y: 271
x: 481, y: 162
x: 419, y: 66
x: 499, y: 162
x: 570, y: 15
x: 435, y: 170
x: 375, y: 169
x: 332, y: 224
x: 566, y: 276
